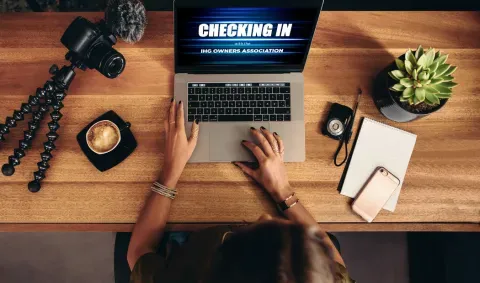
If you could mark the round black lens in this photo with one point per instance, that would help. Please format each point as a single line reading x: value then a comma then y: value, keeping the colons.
x: 112, y: 65
x: 107, y: 61
x: 116, y: 66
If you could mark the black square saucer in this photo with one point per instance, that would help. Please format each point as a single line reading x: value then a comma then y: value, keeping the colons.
x: 108, y: 160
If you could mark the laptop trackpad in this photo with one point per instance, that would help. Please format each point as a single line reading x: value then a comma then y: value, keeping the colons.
x: 226, y: 138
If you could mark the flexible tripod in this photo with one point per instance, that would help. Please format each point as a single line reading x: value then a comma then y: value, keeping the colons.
x: 51, y: 95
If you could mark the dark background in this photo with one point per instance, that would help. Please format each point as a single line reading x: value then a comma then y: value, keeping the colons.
x: 329, y: 5
x: 366, y: 5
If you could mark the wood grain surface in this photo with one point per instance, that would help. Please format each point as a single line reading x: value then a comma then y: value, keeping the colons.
x: 442, y: 184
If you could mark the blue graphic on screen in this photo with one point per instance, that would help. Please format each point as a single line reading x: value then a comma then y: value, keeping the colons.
x: 243, y: 36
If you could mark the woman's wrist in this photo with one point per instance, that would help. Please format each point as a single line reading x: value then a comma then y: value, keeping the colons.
x: 281, y: 194
x: 168, y: 180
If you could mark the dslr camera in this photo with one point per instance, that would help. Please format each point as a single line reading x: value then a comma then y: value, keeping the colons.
x: 90, y: 45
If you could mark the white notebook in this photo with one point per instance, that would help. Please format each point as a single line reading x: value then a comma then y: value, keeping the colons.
x: 378, y: 145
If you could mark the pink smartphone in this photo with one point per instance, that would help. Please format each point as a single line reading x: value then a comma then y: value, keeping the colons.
x: 375, y: 194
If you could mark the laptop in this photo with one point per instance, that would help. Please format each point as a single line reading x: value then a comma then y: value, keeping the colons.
x: 239, y: 65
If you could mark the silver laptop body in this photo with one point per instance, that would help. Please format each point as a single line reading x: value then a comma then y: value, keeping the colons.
x: 220, y: 141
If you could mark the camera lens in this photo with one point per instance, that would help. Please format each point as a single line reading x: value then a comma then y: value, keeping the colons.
x: 107, y: 61
x: 112, y: 64
x: 335, y: 127
x: 116, y: 66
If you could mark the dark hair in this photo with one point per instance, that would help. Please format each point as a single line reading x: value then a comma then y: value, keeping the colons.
x: 273, y: 252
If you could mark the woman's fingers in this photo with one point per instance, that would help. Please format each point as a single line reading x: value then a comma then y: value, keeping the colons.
x: 259, y: 154
x: 281, y: 146
x: 271, y: 140
x: 266, y: 147
x: 192, y: 140
x: 249, y: 171
x: 180, y: 121
x: 172, y: 115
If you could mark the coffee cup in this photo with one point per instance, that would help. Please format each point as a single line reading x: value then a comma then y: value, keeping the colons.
x: 104, y: 136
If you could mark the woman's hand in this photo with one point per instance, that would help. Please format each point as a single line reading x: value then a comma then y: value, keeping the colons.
x: 271, y: 173
x: 177, y: 148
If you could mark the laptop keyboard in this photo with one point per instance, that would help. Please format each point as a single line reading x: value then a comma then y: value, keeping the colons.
x: 238, y: 102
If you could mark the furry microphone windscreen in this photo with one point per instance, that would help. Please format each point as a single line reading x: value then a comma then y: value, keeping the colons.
x: 126, y: 19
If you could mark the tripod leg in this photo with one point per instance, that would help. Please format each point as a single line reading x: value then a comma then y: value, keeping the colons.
x: 18, y: 115
x: 42, y: 99
x: 34, y: 186
x: 51, y: 94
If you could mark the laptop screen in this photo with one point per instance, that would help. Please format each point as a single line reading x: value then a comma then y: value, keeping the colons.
x: 247, y: 38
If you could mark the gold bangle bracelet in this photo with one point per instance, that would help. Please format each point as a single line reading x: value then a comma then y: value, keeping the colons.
x: 163, y: 190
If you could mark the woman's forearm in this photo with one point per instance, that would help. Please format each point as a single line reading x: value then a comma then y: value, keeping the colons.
x: 151, y: 223
x: 299, y: 214
x: 148, y: 231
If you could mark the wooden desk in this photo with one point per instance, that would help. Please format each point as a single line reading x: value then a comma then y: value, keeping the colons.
x: 442, y: 186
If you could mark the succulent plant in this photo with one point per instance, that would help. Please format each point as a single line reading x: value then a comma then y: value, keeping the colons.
x: 423, y: 77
